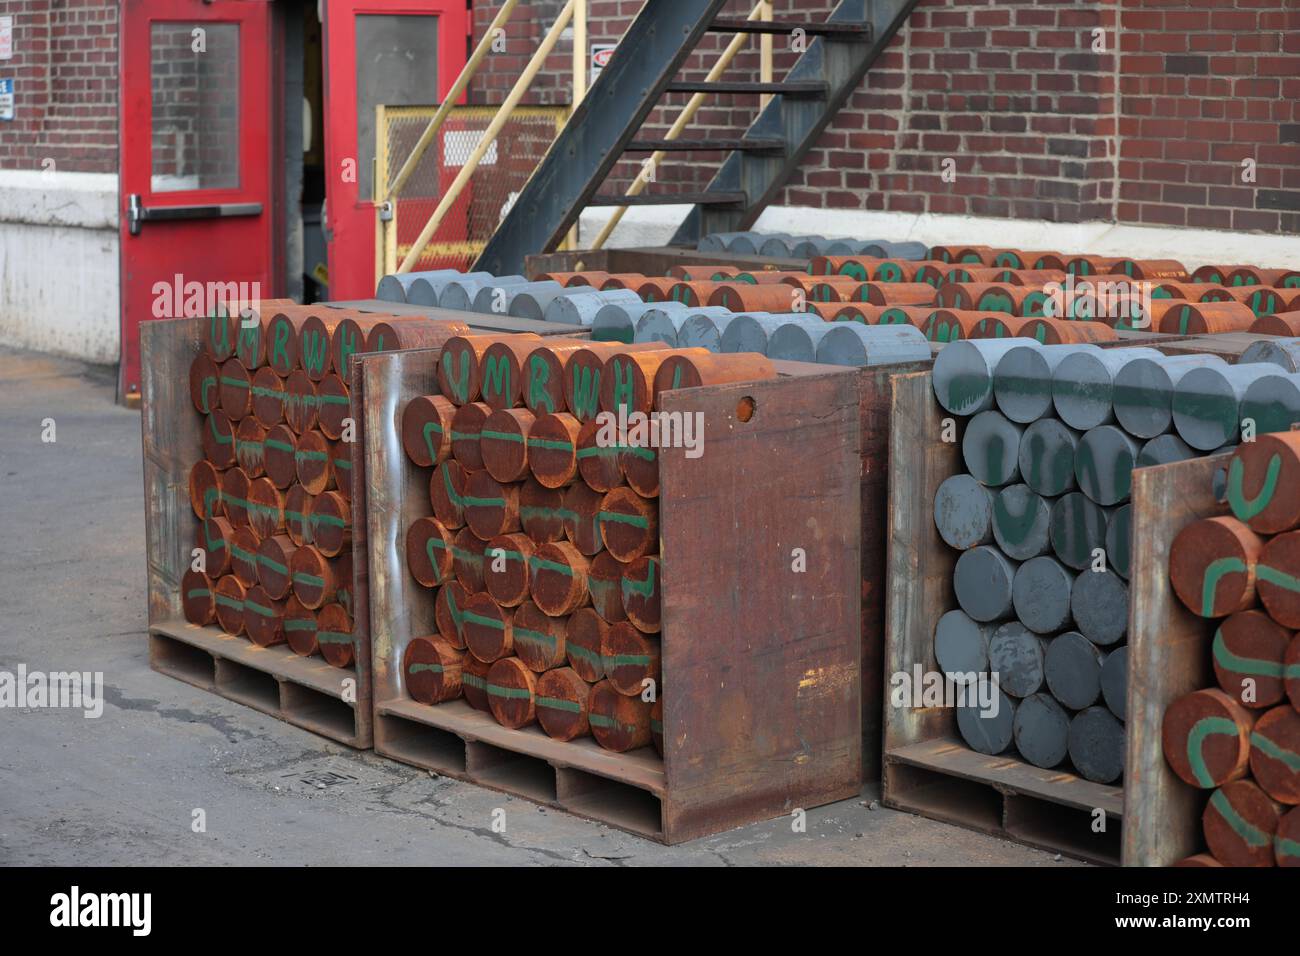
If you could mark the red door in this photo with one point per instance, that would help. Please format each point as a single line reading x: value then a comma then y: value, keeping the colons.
x: 195, y: 151
x: 390, y: 52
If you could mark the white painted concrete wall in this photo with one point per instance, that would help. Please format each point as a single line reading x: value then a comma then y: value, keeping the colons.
x: 655, y: 225
x: 59, y: 263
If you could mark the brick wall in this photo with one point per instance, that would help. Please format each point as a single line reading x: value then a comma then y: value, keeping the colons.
x: 65, y: 76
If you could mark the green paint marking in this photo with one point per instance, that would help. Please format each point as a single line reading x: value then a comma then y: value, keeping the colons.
x: 299, y: 624
x: 473, y: 680
x: 261, y: 391
x: 311, y: 456
x: 1252, y: 666
x: 280, y: 357
x: 609, y: 723
x: 1214, y: 573
x: 198, y: 593
x: 584, y: 391
x: 456, y: 500
x: 541, y: 564
x: 212, y: 427
x: 644, y: 588
x: 258, y: 609
x: 333, y: 637
x: 457, y: 617
x: 496, y: 376
x: 550, y: 444
x: 1270, y: 749
x: 233, y: 382
x: 1251, y: 835
x: 225, y: 601
x: 333, y: 400
x: 529, y: 636
x: 431, y: 428
x: 598, y: 451
x: 419, y: 668
x: 1277, y: 577
x: 472, y: 502
x: 465, y: 436
x: 624, y: 388
x: 209, y: 381
x: 636, y: 521
x: 502, y: 436
x: 1285, y: 847
x: 538, y: 374
x: 556, y: 703
x: 314, y: 346
x: 472, y: 618
x: 311, y: 580
x: 243, y: 555
x: 433, y: 562
x: 510, y: 693
x: 627, y: 660
x: 346, y: 337
x: 278, y: 445
x: 459, y: 385
x: 528, y: 512
x: 1203, y: 728
x: 585, y: 654
x: 1246, y: 508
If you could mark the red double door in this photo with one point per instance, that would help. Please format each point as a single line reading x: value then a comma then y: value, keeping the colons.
x: 202, y: 147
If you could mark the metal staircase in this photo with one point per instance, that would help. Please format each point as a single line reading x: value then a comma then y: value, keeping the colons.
x: 604, y: 127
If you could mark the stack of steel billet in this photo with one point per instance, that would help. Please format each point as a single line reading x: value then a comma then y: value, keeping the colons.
x: 542, y: 538
x: 780, y: 245
x: 273, y: 491
x: 1051, y: 436
x: 1241, y: 739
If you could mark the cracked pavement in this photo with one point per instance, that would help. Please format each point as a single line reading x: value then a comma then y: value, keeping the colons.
x: 123, y: 789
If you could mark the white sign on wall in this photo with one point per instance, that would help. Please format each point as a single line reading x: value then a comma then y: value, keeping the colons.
x: 6, y: 99
x: 6, y: 38
x: 600, y: 54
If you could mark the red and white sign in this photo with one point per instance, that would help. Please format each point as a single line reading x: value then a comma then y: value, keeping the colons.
x: 600, y: 54
x: 6, y: 38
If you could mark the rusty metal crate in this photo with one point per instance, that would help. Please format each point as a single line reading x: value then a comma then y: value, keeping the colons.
x: 306, y: 692
x: 761, y: 703
x: 928, y: 770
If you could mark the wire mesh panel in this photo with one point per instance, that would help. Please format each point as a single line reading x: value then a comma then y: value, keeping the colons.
x: 491, y: 190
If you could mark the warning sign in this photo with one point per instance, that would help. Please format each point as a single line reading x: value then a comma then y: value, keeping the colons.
x: 600, y: 54
x: 6, y: 99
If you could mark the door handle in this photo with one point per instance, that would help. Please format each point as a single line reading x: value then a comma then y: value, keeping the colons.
x: 137, y: 213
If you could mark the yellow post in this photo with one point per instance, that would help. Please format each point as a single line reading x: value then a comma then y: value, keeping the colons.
x: 489, y: 136
x: 679, y: 125
x: 579, y: 83
x: 765, y: 53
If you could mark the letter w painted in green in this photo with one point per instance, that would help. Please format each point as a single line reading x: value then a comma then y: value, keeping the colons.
x: 313, y: 358
x: 586, y: 389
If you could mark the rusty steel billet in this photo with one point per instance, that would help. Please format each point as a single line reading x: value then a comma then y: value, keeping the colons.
x: 695, y: 294
x: 205, y: 490
x: 1008, y: 258
x: 315, y: 580
x: 589, y: 279
x: 553, y: 450
x: 315, y: 357
x: 1239, y: 823
x: 1206, y: 318
x: 584, y: 374
x: 541, y: 511
x: 467, y: 559
x: 1208, y: 403
x: 467, y: 434
x: 1164, y: 449
x: 895, y: 271
x: 1103, y: 464
x: 1083, y: 384
x: 1259, y: 300
x: 459, y: 294
x: 428, y: 552
x: 1096, y: 745
x: 963, y: 512
x: 313, y: 459
x: 198, y: 600
x: 689, y: 370
x: 581, y: 517
x: 249, y: 447
x: 273, y: 556
x: 581, y: 307
x: 1275, y: 754
x: 982, y: 581
x: 512, y: 693
x: 1047, y: 453
x: 1063, y: 332
x: 397, y: 287
x: 1143, y: 397
x: 990, y: 448
x: 1041, y: 730
x: 431, y: 668
x: 1286, y: 324
x: 988, y: 732
x: 297, y: 515
x: 334, y: 405
x: 600, y: 465
x: 265, y: 508
x: 229, y: 597
x: 1022, y: 379
x: 1021, y: 522
x: 997, y: 297
x: 1151, y: 269
x: 619, y: 723
x: 605, y: 585
x: 584, y: 636
x: 543, y: 375
x: 751, y: 332
x: 503, y: 443
x: 640, y: 589
x: 1278, y: 578
x: 627, y: 379
x: 986, y: 255
x: 1073, y: 667
x: 1286, y: 842
x: 1272, y: 403
x: 220, y: 331
x: 1040, y: 594
x: 267, y: 390
x: 1099, y: 604
x: 263, y: 617
x: 426, y: 429
x: 859, y: 346
x: 234, y: 496
x: 488, y: 628
x: 1092, y: 265
x: 205, y: 382
x: 1262, y: 480
x: 1248, y: 651
x: 1212, y: 566
x: 1029, y: 277
x: 741, y: 297
x: 961, y: 645
x: 622, y: 280
x: 506, y: 572
x: 657, y: 288
x: 243, y: 556
x: 857, y: 267
x: 559, y: 578
x: 473, y: 680
x: 491, y: 508
x: 963, y: 373
x: 629, y: 524
x: 501, y: 376
x: 538, y: 638
x: 251, y: 339
x: 1078, y: 529
x: 895, y: 293
x: 334, y: 635
x: 447, y: 490
x: 301, y: 406
x: 1016, y: 655
x: 449, y: 613
x: 945, y: 325
x: 282, y: 340
x: 218, y: 439
x: 914, y: 315
x: 460, y: 366
x: 941, y: 274
x: 631, y: 659
x: 562, y: 704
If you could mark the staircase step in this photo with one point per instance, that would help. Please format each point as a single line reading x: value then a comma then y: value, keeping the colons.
x: 668, y: 199
x: 747, y: 143
x: 741, y: 25
x: 787, y: 88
